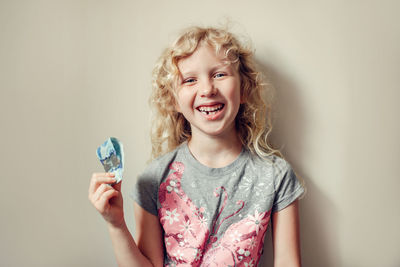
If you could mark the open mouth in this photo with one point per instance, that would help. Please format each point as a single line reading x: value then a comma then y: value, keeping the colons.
x: 210, y: 110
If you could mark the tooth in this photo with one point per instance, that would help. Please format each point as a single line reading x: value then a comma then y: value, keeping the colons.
x: 209, y: 109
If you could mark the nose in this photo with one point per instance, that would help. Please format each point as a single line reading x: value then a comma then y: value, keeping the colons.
x: 208, y: 89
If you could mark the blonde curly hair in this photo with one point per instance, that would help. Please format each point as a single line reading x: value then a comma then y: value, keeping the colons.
x: 170, y: 128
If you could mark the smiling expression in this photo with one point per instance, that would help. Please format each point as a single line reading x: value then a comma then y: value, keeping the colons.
x: 209, y: 92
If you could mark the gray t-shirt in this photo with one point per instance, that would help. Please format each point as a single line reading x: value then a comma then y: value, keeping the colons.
x: 216, y: 216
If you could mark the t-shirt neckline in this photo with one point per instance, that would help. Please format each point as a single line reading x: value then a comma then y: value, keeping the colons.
x: 215, y: 172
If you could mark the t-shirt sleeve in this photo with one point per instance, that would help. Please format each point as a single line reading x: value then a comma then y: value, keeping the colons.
x: 287, y: 187
x: 145, y: 191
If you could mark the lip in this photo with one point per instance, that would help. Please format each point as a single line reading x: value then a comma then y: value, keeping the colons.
x: 209, y: 104
x: 211, y: 117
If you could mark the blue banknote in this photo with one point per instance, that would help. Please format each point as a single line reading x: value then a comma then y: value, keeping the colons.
x: 111, y: 155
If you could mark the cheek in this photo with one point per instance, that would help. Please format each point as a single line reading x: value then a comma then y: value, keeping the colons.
x: 234, y: 93
x: 185, y: 99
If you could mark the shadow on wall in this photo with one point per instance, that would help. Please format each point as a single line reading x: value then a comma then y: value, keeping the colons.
x: 318, y: 215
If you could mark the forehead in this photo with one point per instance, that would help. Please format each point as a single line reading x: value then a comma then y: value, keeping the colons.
x: 204, y: 56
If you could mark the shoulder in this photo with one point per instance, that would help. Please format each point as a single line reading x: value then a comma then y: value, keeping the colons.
x: 148, y: 182
x: 270, y: 163
x: 278, y: 173
x: 156, y: 169
x: 272, y: 168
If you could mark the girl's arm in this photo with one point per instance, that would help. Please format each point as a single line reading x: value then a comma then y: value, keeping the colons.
x: 286, y: 236
x: 126, y: 251
x: 109, y: 202
x: 149, y: 235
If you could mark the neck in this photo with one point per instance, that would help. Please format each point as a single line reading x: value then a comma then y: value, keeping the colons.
x: 215, y: 151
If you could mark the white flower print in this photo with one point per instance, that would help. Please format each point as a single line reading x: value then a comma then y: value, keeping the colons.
x: 236, y: 236
x: 257, y: 206
x: 178, y: 255
x: 261, y: 188
x: 172, y: 186
x: 258, y: 187
x: 252, y: 243
x: 243, y: 252
x: 167, y: 243
x: 186, y: 227
x: 256, y: 221
x: 249, y: 264
x: 246, y: 184
x: 172, y: 216
x: 182, y: 242
x: 197, y: 253
x: 202, y: 221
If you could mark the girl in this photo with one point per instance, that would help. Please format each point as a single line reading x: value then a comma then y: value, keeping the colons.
x: 208, y: 197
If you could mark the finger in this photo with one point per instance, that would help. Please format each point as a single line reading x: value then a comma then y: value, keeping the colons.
x: 103, y: 203
x: 117, y: 186
x: 99, y: 178
x: 100, y: 190
x: 94, y: 187
x: 110, y: 174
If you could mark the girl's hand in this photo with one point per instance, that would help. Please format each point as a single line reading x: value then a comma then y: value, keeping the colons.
x: 107, y: 199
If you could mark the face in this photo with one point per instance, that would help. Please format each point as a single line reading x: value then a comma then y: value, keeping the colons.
x: 209, y: 93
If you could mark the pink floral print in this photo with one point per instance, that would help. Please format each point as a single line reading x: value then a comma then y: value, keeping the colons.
x: 189, y: 241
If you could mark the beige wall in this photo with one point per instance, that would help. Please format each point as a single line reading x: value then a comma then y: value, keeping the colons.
x: 73, y: 73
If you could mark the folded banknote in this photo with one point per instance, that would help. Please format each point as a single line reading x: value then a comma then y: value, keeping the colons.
x: 111, y: 155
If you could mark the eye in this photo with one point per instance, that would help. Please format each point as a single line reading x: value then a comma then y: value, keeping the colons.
x: 189, y: 80
x: 219, y: 75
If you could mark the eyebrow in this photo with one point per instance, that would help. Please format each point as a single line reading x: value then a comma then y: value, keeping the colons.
x: 193, y: 72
